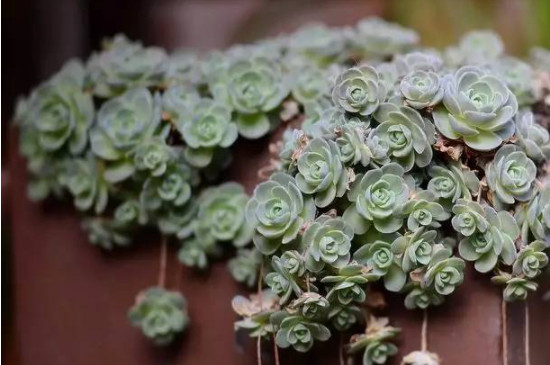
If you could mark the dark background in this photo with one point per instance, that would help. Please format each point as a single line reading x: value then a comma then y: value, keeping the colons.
x: 43, y: 270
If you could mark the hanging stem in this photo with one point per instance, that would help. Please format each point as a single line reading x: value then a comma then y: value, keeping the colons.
x: 504, y: 320
x: 275, y: 351
x: 341, y: 349
x: 527, y: 348
x: 163, y: 260
x: 424, y: 335
x: 259, y: 350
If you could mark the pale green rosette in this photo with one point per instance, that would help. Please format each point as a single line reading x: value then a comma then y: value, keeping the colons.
x: 421, y: 89
x: 423, y: 210
x: 377, y: 198
x: 277, y: 211
x: 452, y: 182
x: 532, y: 137
x: 298, y: 332
x: 321, y: 172
x: 379, y: 257
x: 415, y: 249
x: 444, y: 272
x: 160, y: 314
x: 478, y: 108
x: 359, y: 90
x: 123, y: 124
x: 469, y: 218
x: 531, y: 259
x: 408, y: 135
x: 485, y: 248
x: 328, y: 242
x: 511, y: 176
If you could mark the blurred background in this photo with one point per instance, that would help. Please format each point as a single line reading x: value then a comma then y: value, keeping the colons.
x: 39, y: 35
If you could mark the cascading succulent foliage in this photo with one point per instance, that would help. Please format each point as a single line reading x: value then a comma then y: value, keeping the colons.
x: 402, y: 151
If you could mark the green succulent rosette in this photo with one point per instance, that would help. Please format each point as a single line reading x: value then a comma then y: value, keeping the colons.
x: 469, y: 218
x: 535, y: 216
x: 178, y: 100
x: 511, y: 176
x: 207, y: 127
x: 321, y: 172
x: 419, y: 298
x: 123, y: 124
x: 309, y: 84
x: 376, y: 38
x: 160, y: 314
x: 382, y: 262
x: 452, y: 182
x: 298, y: 332
x: 255, y: 313
x: 128, y: 212
x: 344, y: 317
x: 283, y: 282
x: 86, y: 184
x: 533, y: 139
x: 352, y: 143
x: 444, y: 272
x: 374, y: 343
x: 485, y: 248
x: 423, y: 210
x: 244, y: 267
x: 328, y: 242
x: 359, y: 90
x: 195, y: 253
x: 277, y: 211
x: 421, y: 89
x: 153, y: 156
x: 294, y: 262
x: 106, y: 233
x: 310, y: 305
x: 184, y: 68
x: 221, y: 215
x: 376, y: 200
x: 478, y: 108
x: 124, y: 65
x: 414, y: 249
x: 347, y: 286
x: 60, y: 112
x: 178, y: 220
x: 427, y: 61
x: 252, y: 88
x: 530, y: 260
x: 408, y: 135
x: 519, y: 77
x: 518, y: 288
x: 478, y: 47
x: 318, y: 43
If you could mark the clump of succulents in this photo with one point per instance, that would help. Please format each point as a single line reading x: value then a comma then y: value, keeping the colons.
x: 160, y: 314
x: 401, y: 151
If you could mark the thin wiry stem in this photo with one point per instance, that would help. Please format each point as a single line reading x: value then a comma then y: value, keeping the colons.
x: 504, y: 320
x: 527, y: 348
x: 163, y: 261
x: 424, y: 337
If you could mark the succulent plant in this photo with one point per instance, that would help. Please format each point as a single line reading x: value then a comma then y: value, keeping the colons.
x: 485, y: 248
x: 61, y: 111
x: 318, y: 43
x: 106, y: 233
x: 320, y: 172
x: 421, y: 89
x: 469, y: 218
x: 153, y: 156
x: 86, y: 185
x: 160, y: 314
x: 374, y: 342
x: 477, y: 47
x: 282, y: 282
x: 452, y: 182
x: 127, y: 212
x: 256, y: 313
x: 195, y: 252
x: 123, y: 123
x: 245, y: 265
x: 359, y: 90
x: 414, y: 249
x: 423, y: 210
x: 207, y: 126
x: 518, y: 76
x: 252, y: 88
x: 178, y: 220
x: 536, y: 218
x: 407, y: 134
x: 376, y: 199
x: 478, y: 108
x: 530, y: 260
x: 511, y: 176
x: 124, y: 65
x: 444, y: 272
x: 532, y: 137
x: 178, y: 100
x: 378, y: 257
x: 299, y: 332
x: 418, y: 61
x: 221, y: 215
x: 518, y: 288
x: 328, y: 242
x: 344, y: 317
x: 377, y: 38
x: 184, y: 68
x: 310, y: 305
x: 422, y: 298
x: 421, y: 358
x: 346, y: 287
x: 309, y: 84
x: 277, y: 211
